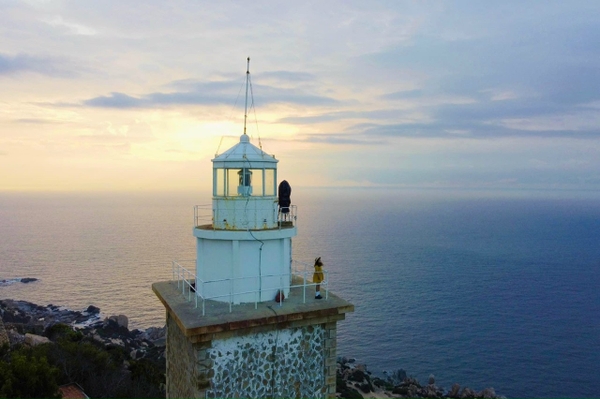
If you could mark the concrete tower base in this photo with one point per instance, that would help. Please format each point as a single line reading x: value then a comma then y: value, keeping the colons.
x: 259, y: 352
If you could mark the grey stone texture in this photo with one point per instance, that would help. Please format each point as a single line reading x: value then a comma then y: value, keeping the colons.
x: 296, y: 362
x: 253, y: 351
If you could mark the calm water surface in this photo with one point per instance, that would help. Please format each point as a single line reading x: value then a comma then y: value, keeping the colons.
x: 477, y: 288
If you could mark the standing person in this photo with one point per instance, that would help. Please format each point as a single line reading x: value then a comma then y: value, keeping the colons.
x: 318, y: 277
x: 285, y: 200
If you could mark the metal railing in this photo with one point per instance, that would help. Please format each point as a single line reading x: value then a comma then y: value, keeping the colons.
x: 204, y: 214
x: 186, y: 280
x: 192, y: 288
x: 287, y: 214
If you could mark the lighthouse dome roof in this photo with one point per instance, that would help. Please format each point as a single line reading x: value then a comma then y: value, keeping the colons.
x: 244, y: 154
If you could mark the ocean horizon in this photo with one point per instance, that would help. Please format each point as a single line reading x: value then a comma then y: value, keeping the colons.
x: 486, y: 288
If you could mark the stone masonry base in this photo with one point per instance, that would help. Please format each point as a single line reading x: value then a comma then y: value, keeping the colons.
x: 295, y: 360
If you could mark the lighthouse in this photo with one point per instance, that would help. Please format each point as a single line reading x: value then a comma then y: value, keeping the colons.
x: 245, y: 254
x: 242, y: 319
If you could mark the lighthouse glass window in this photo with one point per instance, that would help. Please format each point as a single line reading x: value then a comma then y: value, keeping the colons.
x: 219, y: 183
x: 270, y: 182
x: 244, y: 182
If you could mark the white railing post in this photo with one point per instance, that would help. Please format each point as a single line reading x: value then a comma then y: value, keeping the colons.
x: 256, y: 298
x: 304, y: 287
x: 281, y: 291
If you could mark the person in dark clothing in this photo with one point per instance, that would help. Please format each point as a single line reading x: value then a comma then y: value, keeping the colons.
x: 285, y: 200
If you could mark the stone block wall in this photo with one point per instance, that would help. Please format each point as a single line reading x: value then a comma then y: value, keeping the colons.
x: 294, y: 360
x: 182, y: 375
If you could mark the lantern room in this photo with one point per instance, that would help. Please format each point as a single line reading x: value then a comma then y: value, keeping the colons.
x: 244, y: 188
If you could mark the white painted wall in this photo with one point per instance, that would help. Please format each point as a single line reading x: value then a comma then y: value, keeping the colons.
x: 246, y: 272
x: 242, y: 213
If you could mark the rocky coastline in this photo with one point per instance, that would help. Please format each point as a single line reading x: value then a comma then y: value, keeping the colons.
x: 25, y: 323
x: 22, y: 319
x: 355, y: 381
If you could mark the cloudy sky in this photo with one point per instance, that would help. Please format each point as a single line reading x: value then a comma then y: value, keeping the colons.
x: 141, y: 95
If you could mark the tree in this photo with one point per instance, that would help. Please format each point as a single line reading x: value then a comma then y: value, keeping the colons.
x: 26, y: 375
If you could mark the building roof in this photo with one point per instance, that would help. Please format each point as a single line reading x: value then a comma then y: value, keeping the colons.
x: 72, y: 391
x: 244, y: 154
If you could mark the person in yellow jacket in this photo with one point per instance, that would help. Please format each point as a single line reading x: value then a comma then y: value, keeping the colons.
x: 318, y: 277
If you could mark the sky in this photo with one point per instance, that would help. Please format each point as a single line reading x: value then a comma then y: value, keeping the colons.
x: 141, y: 95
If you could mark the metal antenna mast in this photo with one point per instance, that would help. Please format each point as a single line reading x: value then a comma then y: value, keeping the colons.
x: 246, y: 106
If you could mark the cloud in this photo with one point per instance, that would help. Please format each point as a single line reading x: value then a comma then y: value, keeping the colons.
x: 131, y: 132
x: 208, y: 93
x: 375, y: 115
x: 36, y: 121
x: 405, y: 94
x: 341, y: 138
x: 458, y: 130
x: 115, y: 100
x: 71, y: 27
x: 28, y: 63
x: 287, y: 76
x: 514, y: 62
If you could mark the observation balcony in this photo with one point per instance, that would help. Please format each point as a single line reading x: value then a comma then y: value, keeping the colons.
x: 205, y: 215
x: 189, y: 287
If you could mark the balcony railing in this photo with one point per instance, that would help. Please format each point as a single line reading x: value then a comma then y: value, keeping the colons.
x: 191, y: 287
x: 286, y: 216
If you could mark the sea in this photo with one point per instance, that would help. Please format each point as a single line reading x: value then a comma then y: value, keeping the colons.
x: 482, y: 288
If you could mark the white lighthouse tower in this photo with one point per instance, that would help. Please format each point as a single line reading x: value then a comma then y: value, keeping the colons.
x: 245, y: 254
x: 230, y: 332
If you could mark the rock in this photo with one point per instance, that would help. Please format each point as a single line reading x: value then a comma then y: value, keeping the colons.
x: 431, y: 391
x: 366, y: 387
x: 454, y: 391
x: 34, y: 340
x: 361, y: 367
x: 351, y: 376
x: 347, y: 392
x: 121, y: 320
x: 467, y: 393
x: 411, y: 381
x: 3, y: 335
x: 116, y: 341
x: 92, y: 309
x: 154, y: 333
x: 398, y: 376
x: 413, y: 391
x: 487, y: 393
x: 357, y: 375
x: 110, y: 327
x: 15, y: 338
x: 400, y: 390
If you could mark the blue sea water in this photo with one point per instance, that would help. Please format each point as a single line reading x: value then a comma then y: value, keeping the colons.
x: 480, y: 288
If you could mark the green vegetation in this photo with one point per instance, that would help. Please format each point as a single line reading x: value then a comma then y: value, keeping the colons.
x: 102, y: 371
x: 25, y: 373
